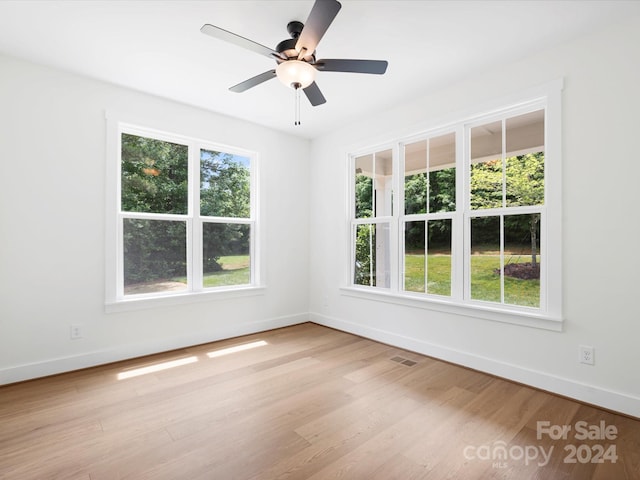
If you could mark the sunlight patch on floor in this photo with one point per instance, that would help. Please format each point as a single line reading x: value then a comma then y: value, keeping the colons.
x: 237, y: 348
x: 136, y: 372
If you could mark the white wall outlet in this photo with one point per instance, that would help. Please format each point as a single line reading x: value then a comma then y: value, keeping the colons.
x: 586, y: 354
x: 75, y: 332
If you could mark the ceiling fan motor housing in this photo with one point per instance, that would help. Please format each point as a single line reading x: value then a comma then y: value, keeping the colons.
x: 288, y: 47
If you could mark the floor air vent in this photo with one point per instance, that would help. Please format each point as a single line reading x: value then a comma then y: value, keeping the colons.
x: 404, y: 361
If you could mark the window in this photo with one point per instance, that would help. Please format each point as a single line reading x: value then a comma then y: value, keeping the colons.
x: 429, y: 206
x: 184, y: 217
x: 506, y: 209
x: 465, y: 216
x: 373, y: 213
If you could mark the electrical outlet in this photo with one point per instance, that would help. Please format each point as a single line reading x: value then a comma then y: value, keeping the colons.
x: 586, y: 354
x: 76, y: 331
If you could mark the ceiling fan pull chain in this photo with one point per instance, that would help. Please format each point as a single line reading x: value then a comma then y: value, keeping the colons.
x: 297, y: 104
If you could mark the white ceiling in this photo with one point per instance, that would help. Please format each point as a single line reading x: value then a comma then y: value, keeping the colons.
x: 157, y: 47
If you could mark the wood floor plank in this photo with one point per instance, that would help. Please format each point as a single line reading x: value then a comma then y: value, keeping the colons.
x: 308, y: 402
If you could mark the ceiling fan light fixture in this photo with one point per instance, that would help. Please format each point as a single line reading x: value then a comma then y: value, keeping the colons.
x: 296, y: 56
x: 296, y: 73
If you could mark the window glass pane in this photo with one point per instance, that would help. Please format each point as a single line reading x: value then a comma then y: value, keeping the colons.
x: 224, y: 184
x: 155, y: 256
x: 226, y: 254
x: 525, y: 133
x: 372, y: 263
x: 415, y: 178
x: 364, y: 186
x: 486, y: 166
x: 442, y: 173
x: 525, y: 179
x: 439, y: 257
x: 430, y: 274
x: 154, y: 175
x: 525, y: 159
x: 364, y: 271
x: 522, y: 260
x: 383, y: 195
x: 373, y: 187
x: 414, y: 257
x: 485, y: 259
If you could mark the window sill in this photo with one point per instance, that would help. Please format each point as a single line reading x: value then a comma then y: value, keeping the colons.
x: 515, y: 316
x: 141, y: 302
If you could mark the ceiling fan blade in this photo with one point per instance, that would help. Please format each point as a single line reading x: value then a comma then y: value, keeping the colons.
x: 377, y: 67
x: 314, y: 94
x: 322, y: 14
x: 222, y: 34
x: 252, y: 82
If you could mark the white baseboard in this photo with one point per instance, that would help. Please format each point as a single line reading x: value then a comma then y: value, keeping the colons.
x: 54, y: 366
x: 611, y: 400
x: 608, y: 399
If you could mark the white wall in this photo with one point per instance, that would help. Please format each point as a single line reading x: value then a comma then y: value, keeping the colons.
x: 52, y: 219
x: 601, y: 169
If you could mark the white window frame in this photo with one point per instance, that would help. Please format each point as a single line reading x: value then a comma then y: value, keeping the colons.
x: 115, y: 299
x: 454, y: 216
x: 549, y: 314
x: 390, y: 220
x: 501, y: 212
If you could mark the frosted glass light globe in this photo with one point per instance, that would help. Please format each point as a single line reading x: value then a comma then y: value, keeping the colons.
x: 294, y: 72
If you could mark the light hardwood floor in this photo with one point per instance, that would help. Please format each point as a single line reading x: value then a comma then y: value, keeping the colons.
x: 307, y: 403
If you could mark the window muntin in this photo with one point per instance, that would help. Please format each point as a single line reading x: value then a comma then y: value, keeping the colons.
x: 430, y: 175
x: 490, y: 245
x: 372, y: 186
x: 505, y: 259
x: 166, y: 246
x: 427, y: 256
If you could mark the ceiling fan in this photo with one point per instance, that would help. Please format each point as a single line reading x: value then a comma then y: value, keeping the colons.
x: 296, y: 56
